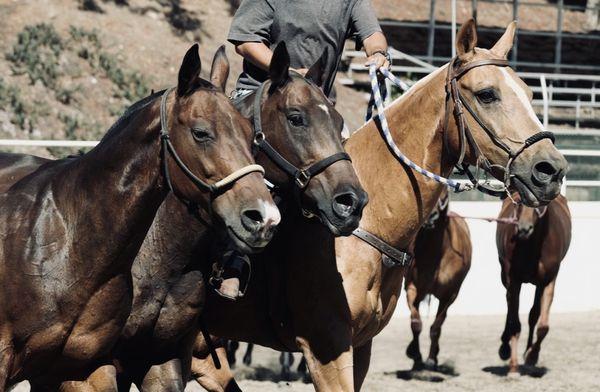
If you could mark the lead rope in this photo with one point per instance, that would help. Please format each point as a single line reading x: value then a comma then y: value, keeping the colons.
x: 384, y: 129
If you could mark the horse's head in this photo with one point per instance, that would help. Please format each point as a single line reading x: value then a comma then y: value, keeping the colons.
x: 527, y: 218
x: 303, y: 127
x: 513, y: 145
x: 213, y: 141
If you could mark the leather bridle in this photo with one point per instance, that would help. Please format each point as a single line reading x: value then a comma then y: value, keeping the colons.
x: 300, y: 177
x: 454, y: 96
x: 167, y: 148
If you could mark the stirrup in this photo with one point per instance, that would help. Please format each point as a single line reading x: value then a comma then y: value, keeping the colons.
x: 217, y: 279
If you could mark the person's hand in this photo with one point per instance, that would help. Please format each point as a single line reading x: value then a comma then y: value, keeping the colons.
x: 379, y: 59
x: 301, y: 71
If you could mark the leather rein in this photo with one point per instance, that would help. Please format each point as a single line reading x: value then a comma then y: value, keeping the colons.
x: 300, y: 177
x: 453, y: 94
x: 215, y: 188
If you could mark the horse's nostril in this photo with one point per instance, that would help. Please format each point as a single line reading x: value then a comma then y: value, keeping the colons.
x: 344, y: 204
x: 544, y: 172
x: 252, y: 219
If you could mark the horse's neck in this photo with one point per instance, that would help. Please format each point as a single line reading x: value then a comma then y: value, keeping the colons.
x: 400, y: 199
x: 116, y: 189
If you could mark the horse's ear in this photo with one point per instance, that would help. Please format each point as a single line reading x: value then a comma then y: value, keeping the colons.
x: 505, y: 43
x: 315, y: 73
x: 189, y: 71
x: 466, y: 40
x: 279, y: 70
x: 220, y: 69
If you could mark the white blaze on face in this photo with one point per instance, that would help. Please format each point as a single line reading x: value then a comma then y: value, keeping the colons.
x: 272, y: 215
x: 522, y: 95
x: 324, y: 108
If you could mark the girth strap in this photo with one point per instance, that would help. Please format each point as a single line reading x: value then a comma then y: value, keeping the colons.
x: 397, y: 257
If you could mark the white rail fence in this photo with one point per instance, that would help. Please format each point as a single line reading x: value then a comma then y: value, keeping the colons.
x: 93, y: 143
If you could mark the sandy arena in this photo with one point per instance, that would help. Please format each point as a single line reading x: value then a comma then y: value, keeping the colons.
x: 569, y: 360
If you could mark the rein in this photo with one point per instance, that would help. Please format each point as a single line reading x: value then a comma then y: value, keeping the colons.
x: 300, y: 177
x: 465, y: 135
x: 168, y: 148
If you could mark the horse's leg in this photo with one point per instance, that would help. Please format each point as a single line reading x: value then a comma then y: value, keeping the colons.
x: 436, y: 330
x: 248, y: 354
x: 6, y: 358
x: 103, y: 379
x: 532, y: 355
x: 336, y: 374
x: 362, y: 360
x: 512, y: 329
x: 231, y: 348
x: 164, y: 377
x: 413, y: 351
x: 534, y: 315
x: 205, y: 372
x: 286, y: 359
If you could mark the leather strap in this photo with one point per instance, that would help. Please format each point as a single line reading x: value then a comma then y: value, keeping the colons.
x: 398, y: 258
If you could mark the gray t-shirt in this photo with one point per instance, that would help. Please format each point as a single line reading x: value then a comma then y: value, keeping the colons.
x: 308, y: 27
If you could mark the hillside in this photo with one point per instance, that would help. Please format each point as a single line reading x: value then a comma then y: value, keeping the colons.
x: 68, y: 68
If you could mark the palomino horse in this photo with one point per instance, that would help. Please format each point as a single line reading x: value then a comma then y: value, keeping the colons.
x: 442, y: 260
x: 329, y: 297
x: 531, y: 252
x: 300, y: 129
x: 70, y: 229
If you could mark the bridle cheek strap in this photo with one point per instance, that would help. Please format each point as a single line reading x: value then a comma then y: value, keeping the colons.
x: 168, y: 148
x: 465, y: 135
x: 301, y: 177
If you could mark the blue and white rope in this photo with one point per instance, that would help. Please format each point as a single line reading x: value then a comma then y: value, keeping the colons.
x: 385, y: 131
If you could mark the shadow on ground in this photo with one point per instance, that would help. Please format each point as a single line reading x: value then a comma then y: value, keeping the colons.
x: 531, y: 371
x: 262, y: 373
x: 440, y: 373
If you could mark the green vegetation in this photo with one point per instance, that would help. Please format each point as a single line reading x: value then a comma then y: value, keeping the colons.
x: 37, y: 54
x: 10, y: 101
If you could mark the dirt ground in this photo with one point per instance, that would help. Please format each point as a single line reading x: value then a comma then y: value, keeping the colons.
x: 569, y: 360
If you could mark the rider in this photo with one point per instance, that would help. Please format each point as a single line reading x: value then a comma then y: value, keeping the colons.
x: 308, y: 28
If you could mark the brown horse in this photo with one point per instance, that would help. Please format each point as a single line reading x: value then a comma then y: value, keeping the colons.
x: 302, y: 128
x: 531, y: 252
x: 70, y: 229
x: 442, y: 261
x: 328, y: 297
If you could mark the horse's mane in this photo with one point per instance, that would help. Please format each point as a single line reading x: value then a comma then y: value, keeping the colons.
x: 136, y: 107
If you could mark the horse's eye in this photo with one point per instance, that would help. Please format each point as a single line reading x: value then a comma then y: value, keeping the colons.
x: 296, y: 119
x: 201, y: 135
x: 486, y: 96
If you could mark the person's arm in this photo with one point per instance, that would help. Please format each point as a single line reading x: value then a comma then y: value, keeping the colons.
x: 257, y: 53
x: 376, y: 48
x: 369, y: 32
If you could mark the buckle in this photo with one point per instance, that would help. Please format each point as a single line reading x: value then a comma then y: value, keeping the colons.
x: 302, y: 179
x: 259, y: 138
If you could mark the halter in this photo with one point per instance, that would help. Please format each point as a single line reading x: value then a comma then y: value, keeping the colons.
x: 301, y: 177
x: 465, y: 135
x: 167, y: 147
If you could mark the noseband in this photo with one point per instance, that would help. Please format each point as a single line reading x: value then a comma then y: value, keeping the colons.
x: 167, y: 147
x: 300, y: 177
x: 465, y: 136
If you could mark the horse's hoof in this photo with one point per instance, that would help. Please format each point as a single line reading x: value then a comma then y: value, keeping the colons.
x: 430, y: 364
x: 531, y: 357
x: 247, y: 360
x: 504, y: 351
x: 286, y: 374
x: 418, y: 366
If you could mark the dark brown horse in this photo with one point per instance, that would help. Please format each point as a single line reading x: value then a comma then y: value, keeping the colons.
x: 70, y: 229
x: 303, y: 128
x: 442, y: 260
x: 329, y: 297
x: 531, y: 252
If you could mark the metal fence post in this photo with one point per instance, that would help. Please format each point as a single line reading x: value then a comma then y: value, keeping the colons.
x: 559, y: 33
x: 430, y: 46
